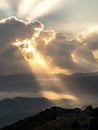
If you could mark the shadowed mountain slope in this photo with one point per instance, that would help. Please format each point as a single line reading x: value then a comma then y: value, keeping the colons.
x: 58, y: 118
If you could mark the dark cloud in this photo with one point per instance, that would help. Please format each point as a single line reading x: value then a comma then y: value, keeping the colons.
x: 85, y: 52
x: 12, y: 29
x: 19, y: 83
x: 59, y: 50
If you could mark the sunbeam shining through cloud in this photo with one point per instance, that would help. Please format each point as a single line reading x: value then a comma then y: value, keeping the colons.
x: 54, y: 38
x: 29, y: 10
x: 36, y: 8
x: 35, y: 59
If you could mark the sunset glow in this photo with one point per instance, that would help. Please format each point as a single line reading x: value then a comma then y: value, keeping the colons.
x: 54, y: 41
x: 34, y: 59
x: 55, y: 96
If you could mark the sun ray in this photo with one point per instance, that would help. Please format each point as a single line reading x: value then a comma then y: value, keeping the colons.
x: 39, y: 65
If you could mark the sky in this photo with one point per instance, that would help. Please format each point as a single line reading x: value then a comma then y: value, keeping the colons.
x: 69, y: 14
x: 48, y: 37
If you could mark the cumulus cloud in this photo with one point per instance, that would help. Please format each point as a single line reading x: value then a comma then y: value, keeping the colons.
x: 85, y: 53
x: 90, y: 38
x: 59, y: 50
x: 75, y: 54
x: 12, y: 29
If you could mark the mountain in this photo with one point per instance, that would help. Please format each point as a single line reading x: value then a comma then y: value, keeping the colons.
x: 58, y: 118
x: 12, y: 110
x: 82, y: 85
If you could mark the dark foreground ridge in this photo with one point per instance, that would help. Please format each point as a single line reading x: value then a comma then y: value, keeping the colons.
x: 58, y: 118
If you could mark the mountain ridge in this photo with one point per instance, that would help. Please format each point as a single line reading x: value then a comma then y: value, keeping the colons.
x: 21, y: 107
x: 57, y: 118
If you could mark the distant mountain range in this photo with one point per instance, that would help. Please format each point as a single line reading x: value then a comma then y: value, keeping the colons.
x: 58, y: 118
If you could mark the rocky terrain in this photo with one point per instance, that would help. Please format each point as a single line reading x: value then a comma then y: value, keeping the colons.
x: 58, y: 118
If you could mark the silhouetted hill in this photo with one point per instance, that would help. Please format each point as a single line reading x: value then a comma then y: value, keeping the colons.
x: 12, y: 110
x: 58, y: 118
x: 15, y: 109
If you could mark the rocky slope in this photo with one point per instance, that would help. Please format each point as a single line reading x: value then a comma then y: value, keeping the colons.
x: 58, y: 118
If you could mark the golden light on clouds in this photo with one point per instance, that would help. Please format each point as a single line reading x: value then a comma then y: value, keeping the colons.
x: 58, y: 70
x: 74, y: 58
x: 95, y: 54
x: 54, y: 95
x: 45, y: 51
x: 39, y: 65
x: 29, y: 52
x: 82, y: 36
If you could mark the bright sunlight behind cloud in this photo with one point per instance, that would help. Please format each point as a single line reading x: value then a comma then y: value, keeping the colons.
x: 30, y: 42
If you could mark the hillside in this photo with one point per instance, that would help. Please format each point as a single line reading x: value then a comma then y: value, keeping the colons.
x: 58, y: 118
x: 12, y: 110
